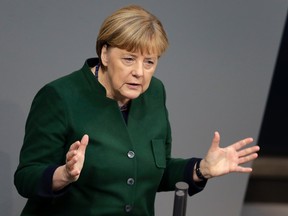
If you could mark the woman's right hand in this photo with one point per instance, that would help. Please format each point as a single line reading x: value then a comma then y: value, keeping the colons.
x: 70, y: 171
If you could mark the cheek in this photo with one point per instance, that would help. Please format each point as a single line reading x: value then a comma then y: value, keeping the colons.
x: 117, y: 82
x: 117, y: 76
x: 147, y: 82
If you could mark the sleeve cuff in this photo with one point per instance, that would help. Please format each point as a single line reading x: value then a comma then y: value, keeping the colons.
x: 45, y: 185
x: 194, y: 187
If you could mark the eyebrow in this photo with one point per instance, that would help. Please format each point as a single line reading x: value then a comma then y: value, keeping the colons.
x: 135, y: 55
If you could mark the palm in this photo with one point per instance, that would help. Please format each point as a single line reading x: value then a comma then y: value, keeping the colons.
x: 220, y: 161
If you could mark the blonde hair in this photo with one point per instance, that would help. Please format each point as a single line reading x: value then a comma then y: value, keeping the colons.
x: 134, y: 29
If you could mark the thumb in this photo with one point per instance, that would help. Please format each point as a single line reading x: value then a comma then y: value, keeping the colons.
x: 85, y: 140
x: 215, y: 141
x: 84, y: 143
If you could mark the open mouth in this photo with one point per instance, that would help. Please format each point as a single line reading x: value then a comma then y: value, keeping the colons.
x: 133, y: 85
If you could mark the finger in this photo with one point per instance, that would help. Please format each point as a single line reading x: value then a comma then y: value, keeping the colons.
x: 248, y: 151
x: 243, y: 169
x: 85, y: 139
x: 74, y: 146
x: 247, y: 158
x: 72, y: 172
x: 70, y: 155
x: 72, y: 161
x: 216, y: 140
x: 84, y: 143
x: 240, y: 144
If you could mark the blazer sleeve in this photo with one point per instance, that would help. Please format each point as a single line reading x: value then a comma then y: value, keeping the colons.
x: 44, y: 141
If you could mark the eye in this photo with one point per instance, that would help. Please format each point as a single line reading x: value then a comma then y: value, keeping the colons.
x: 149, y: 63
x: 128, y: 60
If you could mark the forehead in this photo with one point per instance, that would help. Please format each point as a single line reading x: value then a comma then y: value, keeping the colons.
x: 133, y: 53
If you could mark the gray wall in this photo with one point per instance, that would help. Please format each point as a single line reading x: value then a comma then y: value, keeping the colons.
x: 217, y: 73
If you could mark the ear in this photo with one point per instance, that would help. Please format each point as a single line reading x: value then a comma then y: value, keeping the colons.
x: 104, y: 55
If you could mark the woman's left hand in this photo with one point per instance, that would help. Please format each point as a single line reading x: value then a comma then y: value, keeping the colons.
x: 221, y: 161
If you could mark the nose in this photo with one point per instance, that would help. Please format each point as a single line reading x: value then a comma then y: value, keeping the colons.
x: 138, y: 70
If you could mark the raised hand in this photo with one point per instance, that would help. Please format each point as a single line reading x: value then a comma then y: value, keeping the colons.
x: 221, y: 161
x: 75, y: 158
x: 70, y: 171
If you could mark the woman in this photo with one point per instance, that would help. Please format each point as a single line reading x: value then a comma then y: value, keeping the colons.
x: 98, y: 141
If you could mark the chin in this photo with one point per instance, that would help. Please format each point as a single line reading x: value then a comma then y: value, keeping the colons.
x: 132, y: 96
x: 132, y: 93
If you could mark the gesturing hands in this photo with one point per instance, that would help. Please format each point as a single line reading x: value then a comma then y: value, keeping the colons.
x: 70, y: 171
x: 221, y: 161
x: 218, y: 161
x: 75, y: 158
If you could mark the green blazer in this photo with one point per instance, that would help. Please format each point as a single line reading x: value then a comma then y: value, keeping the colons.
x: 125, y: 164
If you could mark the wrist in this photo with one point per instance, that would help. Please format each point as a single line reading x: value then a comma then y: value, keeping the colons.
x: 60, y: 178
x: 202, y: 170
x: 198, y: 171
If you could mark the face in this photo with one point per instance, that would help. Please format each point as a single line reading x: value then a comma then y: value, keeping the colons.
x: 128, y: 73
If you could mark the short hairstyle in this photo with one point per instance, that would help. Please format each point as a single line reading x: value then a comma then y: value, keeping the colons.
x: 134, y: 29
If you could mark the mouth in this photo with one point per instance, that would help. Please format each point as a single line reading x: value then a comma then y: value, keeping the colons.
x: 133, y: 85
